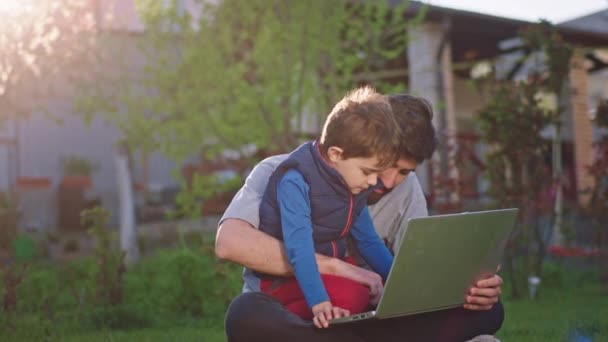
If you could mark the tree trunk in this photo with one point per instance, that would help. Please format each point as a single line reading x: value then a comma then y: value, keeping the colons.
x: 128, y: 234
x: 558, y: 236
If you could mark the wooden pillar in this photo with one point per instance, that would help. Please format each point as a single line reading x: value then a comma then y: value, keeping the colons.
x: 582, y: 128
x: 430, y: 66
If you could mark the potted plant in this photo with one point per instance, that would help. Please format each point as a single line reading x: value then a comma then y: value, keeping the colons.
x: 72, y: 192
x: 76, y: 172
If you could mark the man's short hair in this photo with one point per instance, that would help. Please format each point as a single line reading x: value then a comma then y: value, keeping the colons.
x: 414, y: 116
x: 362, y: 124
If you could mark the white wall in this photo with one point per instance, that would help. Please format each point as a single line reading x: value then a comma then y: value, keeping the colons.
x: 44, y: 143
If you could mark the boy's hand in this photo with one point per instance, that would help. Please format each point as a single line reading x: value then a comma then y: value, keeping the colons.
x: 324, y: 312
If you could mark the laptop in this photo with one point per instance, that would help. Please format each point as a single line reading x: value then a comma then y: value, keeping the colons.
x: 439, y: 258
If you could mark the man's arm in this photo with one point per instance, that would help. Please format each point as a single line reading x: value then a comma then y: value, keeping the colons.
x: 238, y: 240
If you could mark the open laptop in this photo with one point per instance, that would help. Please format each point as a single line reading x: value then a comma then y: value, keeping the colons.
x: 439, y: 258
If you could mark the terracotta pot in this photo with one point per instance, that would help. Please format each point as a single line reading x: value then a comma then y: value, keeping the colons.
x: 71, y: 201
x: 76, y: 182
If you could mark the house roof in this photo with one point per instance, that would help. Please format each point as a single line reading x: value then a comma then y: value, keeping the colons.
x: 594, y: 22
x: 476, y: 36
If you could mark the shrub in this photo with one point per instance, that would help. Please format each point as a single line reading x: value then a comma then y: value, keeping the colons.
x: 182, y: 281
x: 24, y: 248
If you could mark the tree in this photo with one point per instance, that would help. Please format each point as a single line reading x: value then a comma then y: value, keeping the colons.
x: 249, y: 75
x: 558, y: 54
x: 42, y: 45
x: 511, y: 123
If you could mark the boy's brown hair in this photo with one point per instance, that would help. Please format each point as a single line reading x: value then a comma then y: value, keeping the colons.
x: 363, y: 126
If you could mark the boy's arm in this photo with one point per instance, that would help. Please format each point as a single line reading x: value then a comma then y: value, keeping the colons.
x: 296, y: 224
x: 375, y: 253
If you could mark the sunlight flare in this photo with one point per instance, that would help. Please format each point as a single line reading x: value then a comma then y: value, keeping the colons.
x: 14, y: 7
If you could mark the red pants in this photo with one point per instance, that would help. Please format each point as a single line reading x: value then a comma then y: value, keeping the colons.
x: 344, y: 293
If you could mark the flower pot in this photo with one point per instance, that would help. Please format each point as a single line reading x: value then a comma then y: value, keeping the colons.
x: 76, y: 182
x: 33, y: 183
x: 72, y: 201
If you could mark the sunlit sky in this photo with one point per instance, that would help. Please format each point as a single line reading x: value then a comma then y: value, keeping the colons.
x: 530, y: 10
x: 15, y: 8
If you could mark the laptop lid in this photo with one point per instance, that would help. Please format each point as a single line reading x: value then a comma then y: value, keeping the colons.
x: 440, y: 257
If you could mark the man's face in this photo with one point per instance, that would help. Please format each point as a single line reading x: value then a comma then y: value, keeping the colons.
x: 392, y: 177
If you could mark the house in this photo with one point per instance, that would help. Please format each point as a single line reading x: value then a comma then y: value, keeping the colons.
x: 450, y: 38
x: 598, y: 79
x: 33, y: 148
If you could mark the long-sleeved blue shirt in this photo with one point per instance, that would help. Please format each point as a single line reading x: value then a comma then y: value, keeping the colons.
x: 295, y: 211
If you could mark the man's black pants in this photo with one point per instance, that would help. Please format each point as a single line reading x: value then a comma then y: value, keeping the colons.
x: 258, y: 317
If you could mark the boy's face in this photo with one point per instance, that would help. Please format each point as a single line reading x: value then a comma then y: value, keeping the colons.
x: 358, y: 173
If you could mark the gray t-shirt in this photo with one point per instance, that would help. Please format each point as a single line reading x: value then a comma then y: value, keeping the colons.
x: 404, y: 202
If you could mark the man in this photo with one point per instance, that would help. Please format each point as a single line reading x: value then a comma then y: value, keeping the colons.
x: 254, y: 316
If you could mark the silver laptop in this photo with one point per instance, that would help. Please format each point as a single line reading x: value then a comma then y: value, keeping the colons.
x: 440, y: 257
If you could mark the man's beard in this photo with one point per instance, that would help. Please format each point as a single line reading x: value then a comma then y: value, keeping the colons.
x: 374, y: 197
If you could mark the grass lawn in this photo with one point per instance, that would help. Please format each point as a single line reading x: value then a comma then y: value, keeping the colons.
x: 182, y: 296
x: 206, y: 334
x: 557, y: 315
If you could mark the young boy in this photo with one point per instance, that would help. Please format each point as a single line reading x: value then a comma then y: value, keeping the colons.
x: 317, y: 197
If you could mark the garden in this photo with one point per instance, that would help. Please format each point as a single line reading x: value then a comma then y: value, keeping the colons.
x: 213, y: 93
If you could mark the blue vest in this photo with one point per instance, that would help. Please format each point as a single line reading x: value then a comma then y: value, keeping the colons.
x: 333, y: 207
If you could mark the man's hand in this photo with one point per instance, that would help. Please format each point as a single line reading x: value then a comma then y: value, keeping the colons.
x: 484, y: 294
x: 324, y: 312
x: 366, y: 277
x: 375, y: 291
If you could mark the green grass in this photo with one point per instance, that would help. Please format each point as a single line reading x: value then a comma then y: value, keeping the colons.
x: 186, y: 334
x: 557, y: 315
x: 159, y: 306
